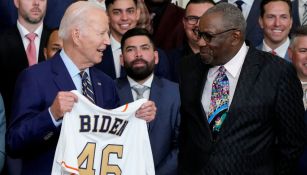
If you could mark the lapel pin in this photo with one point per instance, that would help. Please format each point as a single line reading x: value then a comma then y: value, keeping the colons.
x: 99, y: 84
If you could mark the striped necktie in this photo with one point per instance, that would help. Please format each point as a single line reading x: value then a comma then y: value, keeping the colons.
x: 87, y: 88
x: 304, y: 19
x: 219, y: 101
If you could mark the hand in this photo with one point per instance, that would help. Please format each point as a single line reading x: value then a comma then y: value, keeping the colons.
x: 63, y: 102
x: 147, y: 111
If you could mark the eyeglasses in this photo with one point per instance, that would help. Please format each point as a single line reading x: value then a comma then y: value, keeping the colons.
x: 207, y: 36
x: 192, y: 20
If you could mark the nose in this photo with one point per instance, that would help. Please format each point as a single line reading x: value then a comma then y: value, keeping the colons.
x: 35, y: 2
x: 138, y: 53
x: 124, y: 16
x: 277, y: 22
x: 201, y: 42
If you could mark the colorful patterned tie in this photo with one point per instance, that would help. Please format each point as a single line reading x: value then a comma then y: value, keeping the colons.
x: 31, y: 50
x: 219, y: 101
x: 87, y: 88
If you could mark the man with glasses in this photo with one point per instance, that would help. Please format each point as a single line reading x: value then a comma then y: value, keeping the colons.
x: 194, y: 9
x: 241, y: 108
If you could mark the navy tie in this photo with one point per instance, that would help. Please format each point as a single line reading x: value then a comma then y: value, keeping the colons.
x: 87, y: 88
x: 239, y: 4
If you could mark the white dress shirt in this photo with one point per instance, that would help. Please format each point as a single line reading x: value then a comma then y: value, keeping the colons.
x: 116, y: 50
x: 147, y: 83
x: 246, y: 6
x: 280, y: 51
x: 233, y: 70
x: 101, y: 3
x: 23, y: 32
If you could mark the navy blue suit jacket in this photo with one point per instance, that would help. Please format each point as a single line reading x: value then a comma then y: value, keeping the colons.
x: 163, y: 131
x: 162, y: 69
x: 32, y: 136
x: 286, y: 57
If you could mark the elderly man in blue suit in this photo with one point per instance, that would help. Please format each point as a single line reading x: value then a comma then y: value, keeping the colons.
x: 139, y: 58
x: 42, y: 93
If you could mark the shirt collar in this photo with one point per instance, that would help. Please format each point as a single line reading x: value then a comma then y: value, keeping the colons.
x: 281, y: 50
x: 73, y: 70
x: 114, y: 44
x: 233, y: 66
x: 23, y: 31
x: 147, y: 83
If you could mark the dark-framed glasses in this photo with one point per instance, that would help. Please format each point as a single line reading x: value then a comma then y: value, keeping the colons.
x: 192, y: 20
x: 208, y: 36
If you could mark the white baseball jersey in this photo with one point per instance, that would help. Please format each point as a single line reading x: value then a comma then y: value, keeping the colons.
x: 95, y: 141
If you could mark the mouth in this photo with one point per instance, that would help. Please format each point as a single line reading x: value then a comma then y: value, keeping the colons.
x: 100, y: 51
x: 124, y: 26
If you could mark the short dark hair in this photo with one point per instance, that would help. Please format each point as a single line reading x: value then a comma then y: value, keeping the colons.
x: 265, y: 2
x: 298, y: 32
x: 48, y: 37
x: 108, y: 2
x: 199, y: 2
x: 136, y: 32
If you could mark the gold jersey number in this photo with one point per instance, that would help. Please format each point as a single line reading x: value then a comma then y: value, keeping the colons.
x: 88, y: 154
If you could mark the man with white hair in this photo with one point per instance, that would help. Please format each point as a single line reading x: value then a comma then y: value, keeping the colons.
x: 43, y: 94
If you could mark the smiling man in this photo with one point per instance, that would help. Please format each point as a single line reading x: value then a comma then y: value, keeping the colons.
x: 276, y: 22
x: 241, y: 108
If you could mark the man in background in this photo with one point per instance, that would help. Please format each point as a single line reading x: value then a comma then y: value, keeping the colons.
x: 53, y: 45
x: 276, y: 22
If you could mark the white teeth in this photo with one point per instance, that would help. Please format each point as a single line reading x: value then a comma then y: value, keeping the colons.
x: 277, y: 31
x: 124, y: 25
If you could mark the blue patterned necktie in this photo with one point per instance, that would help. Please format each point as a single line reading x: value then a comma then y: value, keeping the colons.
x: 304, y: 20
x: 219, y: 100
x: 87, y: 88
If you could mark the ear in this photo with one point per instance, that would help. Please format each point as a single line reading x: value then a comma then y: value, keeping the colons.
x: 138, y: 13
x: 260, y: 21
x: 45, y: 53
x: 156, y: 57
x: 75, y: 35
x: 121, y: 59
x: 236, y: 35
x: 290, y: 53
x: 16, y: 3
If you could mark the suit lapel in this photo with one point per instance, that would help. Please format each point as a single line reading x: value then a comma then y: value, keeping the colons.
x: 155, y: 95
x: 15, y: 41
x: 248, y: 76
x: 62, y: 77
x: 124, y: 90
x: 97, y: 87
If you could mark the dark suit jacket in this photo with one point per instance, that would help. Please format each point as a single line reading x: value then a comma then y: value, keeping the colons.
x: 163, y: 131
x: 32, y: 136
x: 254, y: 33
x: 107, y: 65
x: 286, y: 57
x: 13, y: 60
x: 263, y: 133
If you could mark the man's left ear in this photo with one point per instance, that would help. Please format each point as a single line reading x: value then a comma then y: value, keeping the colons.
x: 121, y: 60
x: 156, y: 57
